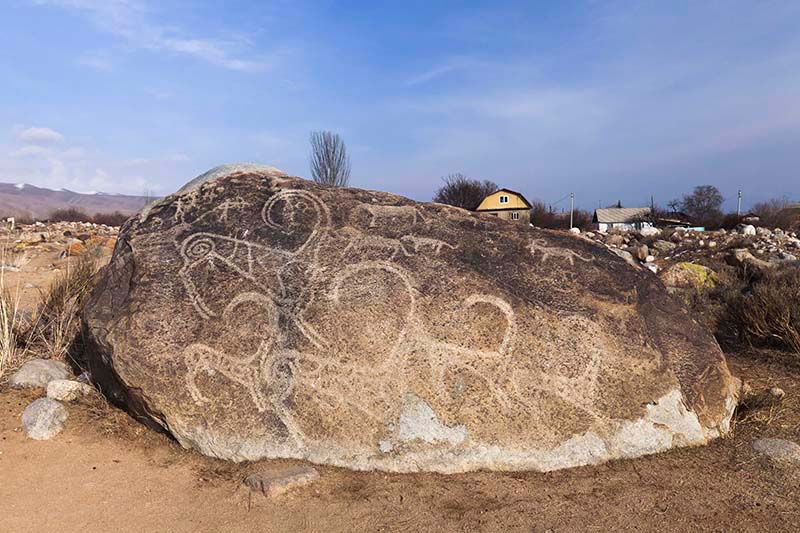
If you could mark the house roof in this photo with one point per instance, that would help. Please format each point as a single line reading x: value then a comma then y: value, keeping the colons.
x: 521, y: 197
x: 617, y: 215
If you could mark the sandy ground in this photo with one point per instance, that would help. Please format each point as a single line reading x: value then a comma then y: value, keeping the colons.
x: 105, y: 472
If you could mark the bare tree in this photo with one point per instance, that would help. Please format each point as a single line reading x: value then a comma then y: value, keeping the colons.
x: 704, y: 204
x: 464, y: 192
x: 330, y: 163
x: 772, y: 210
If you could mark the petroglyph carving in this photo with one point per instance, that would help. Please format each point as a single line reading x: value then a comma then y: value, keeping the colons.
x: 227, y: 205
x: 267, y: 374
x: 363, y: 241
x: 243, y: 257
x: 540, y: 245
x: 421, y: 243
x: 389, y: 213
x: 260, y: 265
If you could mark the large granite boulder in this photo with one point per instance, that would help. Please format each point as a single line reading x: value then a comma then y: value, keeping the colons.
x: 256, y: 315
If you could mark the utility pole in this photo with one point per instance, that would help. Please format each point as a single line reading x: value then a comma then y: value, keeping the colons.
x: 571, y: 207
x: 739, y: 205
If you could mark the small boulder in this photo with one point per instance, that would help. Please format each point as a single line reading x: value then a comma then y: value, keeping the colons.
x: 66, y: 390
x: 37, y: 373
x: 741, y: 257
x: 781, y: 450
x: 747, y: 229
x: 649, y: 231
x: 44, y: 418
x: 689, y: 275
x: 664, y: 246
x: 575, y: 231
x: 273, y: 483
x: 626, y: 256
x: 777, y: 392
x: 615, y: 240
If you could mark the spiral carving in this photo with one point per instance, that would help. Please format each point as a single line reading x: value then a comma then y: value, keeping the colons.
x: 198, y: 248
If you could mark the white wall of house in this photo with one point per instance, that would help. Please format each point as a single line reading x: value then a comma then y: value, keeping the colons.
x: 623, y: 226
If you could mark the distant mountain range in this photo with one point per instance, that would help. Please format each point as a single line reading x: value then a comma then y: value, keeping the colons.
x: 28, y: 201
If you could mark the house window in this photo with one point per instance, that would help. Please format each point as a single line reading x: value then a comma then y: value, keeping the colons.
x: 514, y: 216
x: 504, y: 199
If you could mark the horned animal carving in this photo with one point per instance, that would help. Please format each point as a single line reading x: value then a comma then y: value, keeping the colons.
x: 540, y: 245
x: 390, y: 213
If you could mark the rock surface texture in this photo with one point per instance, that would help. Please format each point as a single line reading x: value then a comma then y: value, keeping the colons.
x: 44, y: 418
x: 37, y: 373
x: 257, y: 315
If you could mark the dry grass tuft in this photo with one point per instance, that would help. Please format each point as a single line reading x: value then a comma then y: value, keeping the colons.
x: 769, y: 314
x: 57, y: 321
x: 14, y: 327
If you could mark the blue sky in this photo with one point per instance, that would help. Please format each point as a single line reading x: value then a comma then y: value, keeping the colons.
x: 611, y: 100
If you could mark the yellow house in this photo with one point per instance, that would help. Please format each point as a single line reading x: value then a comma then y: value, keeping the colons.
x: 508, y: 205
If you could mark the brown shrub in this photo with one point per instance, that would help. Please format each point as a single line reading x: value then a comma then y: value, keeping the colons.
x: 70, y: 214
x: 110, y: 219
x: 769, y: 313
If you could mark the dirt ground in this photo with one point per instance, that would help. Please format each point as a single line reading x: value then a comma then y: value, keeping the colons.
x: 105, y: 472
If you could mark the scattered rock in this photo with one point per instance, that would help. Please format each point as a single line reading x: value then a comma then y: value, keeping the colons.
x: 664, y: 246
x: 777, y: 392
x: 626, y: 255
x: 66, y: 390
x: 689, y: 275
x: 649, y: 231
x: 780, y: 450
x: 274, y: 483
x: 615, y: 239
x: 44, y: 418
x: 37, y: 373
x: 741, y: 257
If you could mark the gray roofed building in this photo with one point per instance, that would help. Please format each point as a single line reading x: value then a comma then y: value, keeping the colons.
x: 622, y: 218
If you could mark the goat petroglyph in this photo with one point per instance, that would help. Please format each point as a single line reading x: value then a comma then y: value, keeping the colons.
x: 266, y: 316
x: 546, y: 252
x: 422, y: 243
x: 365, y: 241
x: 391, y: 213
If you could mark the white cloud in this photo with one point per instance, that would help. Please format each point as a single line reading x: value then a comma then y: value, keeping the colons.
x: 82, y: 169
x: 29, y: 151
x: 129, y: 20
x: 40, y: 136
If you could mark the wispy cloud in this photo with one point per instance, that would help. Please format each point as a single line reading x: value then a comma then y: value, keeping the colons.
x: 26, y: 158
x: 131, y: 21
x: 40, y: 136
